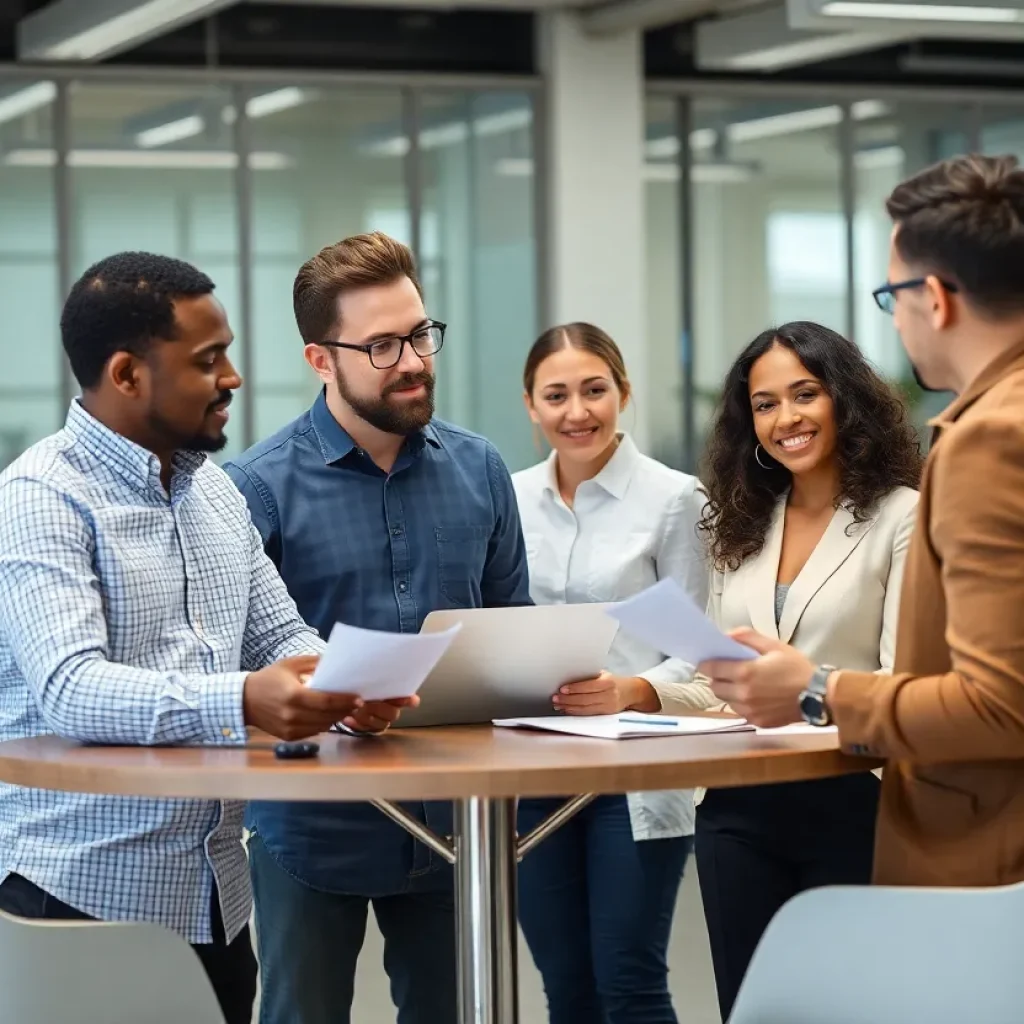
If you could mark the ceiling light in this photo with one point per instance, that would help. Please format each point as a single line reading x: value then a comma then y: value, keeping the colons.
x: 453, y: 132
x: 267, y: 103
x: 700, y: 174
x: 163, y: 159
x: 24, y: 101
x: 920, y: 12
x: 172, y: 131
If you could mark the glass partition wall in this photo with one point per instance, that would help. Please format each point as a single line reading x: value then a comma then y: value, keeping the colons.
x: 247, y: 177
x: 775, y: 211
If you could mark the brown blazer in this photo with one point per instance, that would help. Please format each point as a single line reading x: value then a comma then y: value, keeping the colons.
x: 950, y: 719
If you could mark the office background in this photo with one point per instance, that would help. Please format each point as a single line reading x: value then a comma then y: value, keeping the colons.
x: 774, y: 211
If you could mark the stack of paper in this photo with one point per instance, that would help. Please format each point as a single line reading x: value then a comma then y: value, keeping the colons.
x: 627, y: 726
x: 377, y: 665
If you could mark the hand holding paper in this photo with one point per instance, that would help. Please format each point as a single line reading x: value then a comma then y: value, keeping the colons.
x: 376, y: 665
x: 666, y: 618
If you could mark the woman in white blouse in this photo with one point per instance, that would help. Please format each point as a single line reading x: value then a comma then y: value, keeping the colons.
x: 602, y: 522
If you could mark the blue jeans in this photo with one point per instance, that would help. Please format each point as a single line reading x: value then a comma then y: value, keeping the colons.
x: 309, y: 941
x: 596, y: 909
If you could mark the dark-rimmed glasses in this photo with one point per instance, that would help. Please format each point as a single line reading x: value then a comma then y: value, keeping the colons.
x: 885, y: 297
x: 387, y: 352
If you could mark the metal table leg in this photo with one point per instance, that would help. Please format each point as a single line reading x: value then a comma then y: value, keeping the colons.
x: 486, y: 851
x: 485, y: 905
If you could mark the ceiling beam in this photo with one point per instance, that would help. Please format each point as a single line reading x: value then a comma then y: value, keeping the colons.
x: 762, y: 40
x: 89, y: 30
x: 630, y: 15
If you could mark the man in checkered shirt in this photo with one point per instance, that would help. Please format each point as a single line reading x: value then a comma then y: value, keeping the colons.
x: 137, y: 607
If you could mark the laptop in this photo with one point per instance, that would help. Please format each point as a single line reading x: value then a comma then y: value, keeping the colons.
x: 509, y: 662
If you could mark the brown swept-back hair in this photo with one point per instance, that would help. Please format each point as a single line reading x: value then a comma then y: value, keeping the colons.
x: 963, y: 221
x: 876, y: 445
x: 357, y: 262
x: 583, y: 336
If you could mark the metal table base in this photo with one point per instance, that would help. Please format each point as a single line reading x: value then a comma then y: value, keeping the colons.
x: 486, y: 851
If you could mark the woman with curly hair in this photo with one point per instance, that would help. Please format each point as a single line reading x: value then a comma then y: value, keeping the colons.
x: 811, y: 472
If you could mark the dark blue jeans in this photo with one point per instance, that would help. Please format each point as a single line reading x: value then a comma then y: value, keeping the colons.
x: 596, y: 908
x: 309, y: 941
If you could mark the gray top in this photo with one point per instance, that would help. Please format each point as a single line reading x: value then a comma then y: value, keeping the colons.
x: 781, y: 590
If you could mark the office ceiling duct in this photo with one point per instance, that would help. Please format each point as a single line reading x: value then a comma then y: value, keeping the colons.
x: 995, y: 20
x: 625, y: 15
x: 88, y: 30
x: 764, y: 40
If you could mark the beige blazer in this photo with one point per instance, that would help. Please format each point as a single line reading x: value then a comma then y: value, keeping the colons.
x: 841, y: 610
x: 844, y: 606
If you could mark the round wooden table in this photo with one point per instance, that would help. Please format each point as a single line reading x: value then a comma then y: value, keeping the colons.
x: 481, y: 769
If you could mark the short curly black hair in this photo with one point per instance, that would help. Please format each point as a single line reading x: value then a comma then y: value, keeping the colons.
x: 877, y: 447
x: 123, y: 304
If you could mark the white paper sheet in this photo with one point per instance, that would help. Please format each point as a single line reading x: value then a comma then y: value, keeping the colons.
x: 666, y: 618
x: 797, y: 729
x: 626, y: 726
x: 377, y: 665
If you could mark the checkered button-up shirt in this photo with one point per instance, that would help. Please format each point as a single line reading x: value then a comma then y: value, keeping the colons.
x: 131, y: 616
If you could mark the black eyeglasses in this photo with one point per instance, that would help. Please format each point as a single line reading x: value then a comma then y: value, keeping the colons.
x: 387, y: 352
x: 885, y: 297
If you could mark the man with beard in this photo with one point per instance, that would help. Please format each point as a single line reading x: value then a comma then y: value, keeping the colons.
x: 137, y: 607
x: 376, y: 514
x: 950, y: 720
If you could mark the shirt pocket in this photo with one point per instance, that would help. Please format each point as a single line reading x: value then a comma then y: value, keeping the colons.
x: 619, y: 565
x: 461, y: 557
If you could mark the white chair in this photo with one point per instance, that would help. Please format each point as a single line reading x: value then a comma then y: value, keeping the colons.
x: 84, y: 972
x: 876, y: 955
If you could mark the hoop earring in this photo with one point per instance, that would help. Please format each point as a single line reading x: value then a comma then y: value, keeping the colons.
x: 757, y: 457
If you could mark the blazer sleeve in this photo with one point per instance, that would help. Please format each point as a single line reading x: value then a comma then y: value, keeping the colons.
x: 894, y: 589
x: 683, y: 557
x: 974, y: 712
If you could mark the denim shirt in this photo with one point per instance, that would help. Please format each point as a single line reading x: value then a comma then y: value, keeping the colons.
x: 381, y: 551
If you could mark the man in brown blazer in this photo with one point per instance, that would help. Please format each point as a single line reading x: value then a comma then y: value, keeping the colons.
x: 949, y: 720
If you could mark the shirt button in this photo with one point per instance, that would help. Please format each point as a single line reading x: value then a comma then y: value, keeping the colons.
x: 403, y: 587
x: 396, y: 531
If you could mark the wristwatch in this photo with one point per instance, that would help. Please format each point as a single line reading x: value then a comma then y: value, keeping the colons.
x: 813, y: 702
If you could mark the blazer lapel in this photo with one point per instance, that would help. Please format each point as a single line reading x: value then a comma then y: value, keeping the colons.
x: 761, y: 574
x: 838, y: 542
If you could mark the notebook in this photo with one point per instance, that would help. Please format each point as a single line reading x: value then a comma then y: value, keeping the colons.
x: 627, y: 726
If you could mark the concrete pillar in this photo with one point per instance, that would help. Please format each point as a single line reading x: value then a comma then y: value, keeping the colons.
x: 594, y: 188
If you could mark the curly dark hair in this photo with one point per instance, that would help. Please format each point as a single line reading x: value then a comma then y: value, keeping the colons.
x: 877, y: 447
x: 123, y: 304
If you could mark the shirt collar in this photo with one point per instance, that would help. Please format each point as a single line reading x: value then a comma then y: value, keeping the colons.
x: 129, y: 460
x: 1012, y: 359
x: 336, y: 442
x: 614, y: 476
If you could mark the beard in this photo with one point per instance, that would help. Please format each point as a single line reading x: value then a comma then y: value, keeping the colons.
x: 200, y: 441
x: 405, y: 419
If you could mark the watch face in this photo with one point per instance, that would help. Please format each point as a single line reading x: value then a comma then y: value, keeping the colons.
x: 812, y: 707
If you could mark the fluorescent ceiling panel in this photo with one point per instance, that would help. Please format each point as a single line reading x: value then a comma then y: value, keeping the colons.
x: 723, y: 173
x: 172, y: 131
x: 87, y: 30
x: 152, y: 159
x: 23, y: 101
x: 996, y: 20
x: 763, y: 40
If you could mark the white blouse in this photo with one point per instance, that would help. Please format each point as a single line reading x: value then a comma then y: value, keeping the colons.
x: 630, y: 526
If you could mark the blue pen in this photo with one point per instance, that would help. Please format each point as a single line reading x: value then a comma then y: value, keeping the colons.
x: 649, y: 721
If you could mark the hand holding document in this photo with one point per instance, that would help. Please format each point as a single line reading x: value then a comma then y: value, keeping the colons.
x: 377, y: 665
x: 627, y: 725
x: 666, y: 618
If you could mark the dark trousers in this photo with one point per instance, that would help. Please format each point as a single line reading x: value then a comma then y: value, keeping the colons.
x: 231, y: 967
x: 596, y: 909
x: 309, y: 941
x: 759, y: 846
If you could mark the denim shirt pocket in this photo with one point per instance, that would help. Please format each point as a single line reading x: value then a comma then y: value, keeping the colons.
x: 461, y: 557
